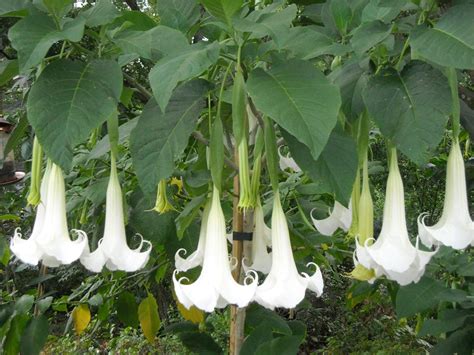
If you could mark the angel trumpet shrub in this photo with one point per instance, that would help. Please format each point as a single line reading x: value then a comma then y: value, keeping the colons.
x: 196, y: 258
x: 340, y: 217
x: 215, y: 286
x: 284, y: 286
x: 455, y: 228
x: 50, y: 241
x: 392, y: 254
x: 261, y: 259
x: 113, y: 251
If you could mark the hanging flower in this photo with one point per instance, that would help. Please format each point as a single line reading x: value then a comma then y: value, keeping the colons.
x: 27, y: 250
x: 50, y: 241
x: 196, y: 258
x: 162, y: 204
x: 284, y: 286
x: 286, y: 162
x: 261, y: 259
x: 392, y: 254
x: 112, y: 250
x: 215, y: 287
x: 340, y: 217
x: 455, y: 228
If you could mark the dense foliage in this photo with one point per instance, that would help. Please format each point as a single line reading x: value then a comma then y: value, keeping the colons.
x: 166, y: 71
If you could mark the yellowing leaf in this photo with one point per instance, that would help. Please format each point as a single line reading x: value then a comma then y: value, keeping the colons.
x: 193, y: 314
x: 149, y: 318
x: 81, y: 316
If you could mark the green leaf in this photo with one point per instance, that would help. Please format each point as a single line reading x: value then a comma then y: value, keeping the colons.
x: 58, y: 8
x: 368, y: 35
x: 80, y: 97
x: 16, y: 135
x: 450, y: 42
x: 24, y: 304
x: 341, y: 13
x: 12, y: 340
x: 299, y: 98
x: 149, y: 318
x: 381, y: 10
x: 199, y: 343
x: 189, y: 213
x: 296, y: 40
x: 36, y: 33
x: 35, y: 335
x: 418, y: 297
x: 159, y: 138
x: 8, y: 70
x: 154, y: 43
x: 103, y: 12
x: 44, y: 304
x: 261, y: 334
x: 127, y: 309
x: 181, y: 66
x: 267, y: 22
x: 178, y: 14
x: 460, y: 342
x: 222, y: 9
x: 337, y: 174
x: 449, y: 320
x: 285, y: 345
x: 411, y: 108
x: 13, y: 7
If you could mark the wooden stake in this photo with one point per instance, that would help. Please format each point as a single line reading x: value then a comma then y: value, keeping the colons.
x: 237, y: 315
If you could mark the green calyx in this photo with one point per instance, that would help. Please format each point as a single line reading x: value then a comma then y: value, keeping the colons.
x: 366, y: 207
x: 34, y: 195
x: 245, y: 193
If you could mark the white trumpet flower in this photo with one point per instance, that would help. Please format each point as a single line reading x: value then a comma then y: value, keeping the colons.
x: 287, y: 162
x: 27, y: 250
x: 455, y: 228
x: 261, y: 259
x: 392, y: 254
x: 284, y: 286
x: 340, y: 217
x: 112, y: 250
x: 196, y: 258
x: 215, y: 287
x: 53, y: 237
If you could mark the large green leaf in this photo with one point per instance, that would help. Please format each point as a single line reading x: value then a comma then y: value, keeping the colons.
x: 127, y: 309
x: 299, y: 98
x: 11, y: 346
x: 337, y: 174
x: 35, y: 335
x: 450, y: 42
x: 368, y: 35
x: 153, y: 44
x: 449, y: 320
x: 8, y: 70
x: 58, y: 8
x: 181, y: 66
x: 178, y: 14
x: 104, y: 11
x: 149, y: 317
x: 384, y: 11
x: 267, y: 22
x: 36, y: 33
x: 341, y: 13
x: 13, y: 7
x: 222, y: 9
x: 306, y: 42
x: 70, y: 99
x: 200, y: 343
x: 418, y: 297
x: 159, y: 138
x: 411, y: 108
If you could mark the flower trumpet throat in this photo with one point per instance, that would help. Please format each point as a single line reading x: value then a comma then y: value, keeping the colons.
x: 455, y: 227
x: 162, y: 204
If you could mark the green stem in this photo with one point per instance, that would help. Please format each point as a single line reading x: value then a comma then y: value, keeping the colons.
x: 456, y: 114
